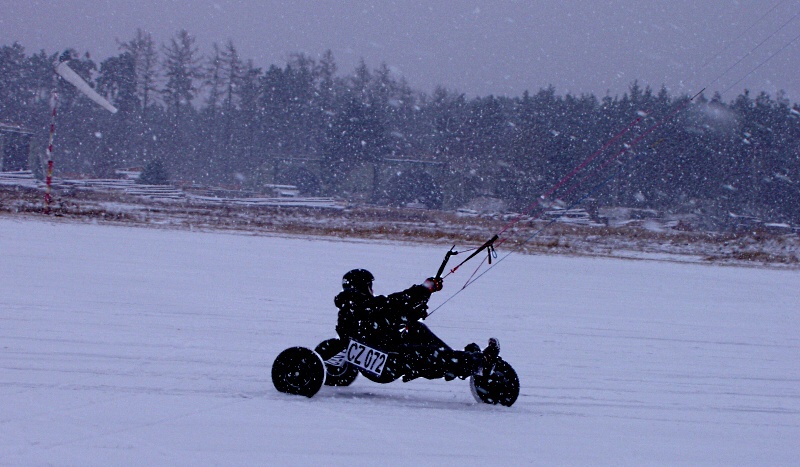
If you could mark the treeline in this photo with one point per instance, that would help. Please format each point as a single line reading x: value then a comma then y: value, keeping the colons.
x: 220, y: 120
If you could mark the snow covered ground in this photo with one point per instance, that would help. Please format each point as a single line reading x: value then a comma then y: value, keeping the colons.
x: 137, y: 346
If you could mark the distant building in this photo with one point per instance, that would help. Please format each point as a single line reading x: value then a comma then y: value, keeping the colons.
x: 15, y: 148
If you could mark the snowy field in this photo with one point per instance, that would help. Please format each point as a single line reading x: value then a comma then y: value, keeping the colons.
x: 135, y: 346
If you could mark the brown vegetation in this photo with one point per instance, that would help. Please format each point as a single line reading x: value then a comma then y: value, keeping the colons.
x: 425, y: 226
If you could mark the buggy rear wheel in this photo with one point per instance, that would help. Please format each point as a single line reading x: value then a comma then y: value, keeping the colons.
x: 298, y: 370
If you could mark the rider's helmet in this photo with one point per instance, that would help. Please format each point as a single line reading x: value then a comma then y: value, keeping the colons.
x: 358, y: 280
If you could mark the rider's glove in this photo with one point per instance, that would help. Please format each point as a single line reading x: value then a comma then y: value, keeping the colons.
x: 419, y: 312
x: 434, y: 284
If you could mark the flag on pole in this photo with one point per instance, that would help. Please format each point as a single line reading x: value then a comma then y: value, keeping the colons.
x: 69, y: 74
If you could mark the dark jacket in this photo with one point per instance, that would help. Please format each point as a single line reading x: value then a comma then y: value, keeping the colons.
x: 379, y: 321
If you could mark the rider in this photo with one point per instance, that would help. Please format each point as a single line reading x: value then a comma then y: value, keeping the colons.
x: 391, y: 324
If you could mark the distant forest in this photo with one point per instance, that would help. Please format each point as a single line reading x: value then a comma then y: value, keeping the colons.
x: 217, y: 120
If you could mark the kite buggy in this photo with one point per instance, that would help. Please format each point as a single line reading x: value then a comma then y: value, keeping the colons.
x: 382, y: 338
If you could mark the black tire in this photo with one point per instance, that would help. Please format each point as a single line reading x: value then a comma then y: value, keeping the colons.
x: 336, y: 375
x: 298, y: 370
x: 501, y: 386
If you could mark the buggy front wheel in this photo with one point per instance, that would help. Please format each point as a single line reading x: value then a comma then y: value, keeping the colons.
x: 499, y: 386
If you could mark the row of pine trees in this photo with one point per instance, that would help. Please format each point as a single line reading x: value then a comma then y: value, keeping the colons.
x: 218, y: 120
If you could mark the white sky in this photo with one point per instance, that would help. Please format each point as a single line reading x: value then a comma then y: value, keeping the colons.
x: 476, y: 47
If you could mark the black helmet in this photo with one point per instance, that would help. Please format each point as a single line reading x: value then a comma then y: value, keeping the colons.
x: 358, y: 280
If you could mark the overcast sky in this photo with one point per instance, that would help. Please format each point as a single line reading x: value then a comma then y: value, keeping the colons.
x: 476, y: 47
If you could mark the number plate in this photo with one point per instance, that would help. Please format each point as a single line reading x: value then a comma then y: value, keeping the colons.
x: 365, y: 357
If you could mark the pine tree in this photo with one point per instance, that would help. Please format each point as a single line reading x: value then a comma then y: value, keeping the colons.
x: 181, y: 147
x: 182, y: 69
x: 154, y: 173
x: 142, y: 49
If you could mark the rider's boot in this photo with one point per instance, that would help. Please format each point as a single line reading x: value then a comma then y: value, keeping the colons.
x: 472, y: 359
x: 491, y: 353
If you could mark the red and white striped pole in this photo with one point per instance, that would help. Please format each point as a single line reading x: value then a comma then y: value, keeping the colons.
x: 49, y: 180
x: 63, y: 70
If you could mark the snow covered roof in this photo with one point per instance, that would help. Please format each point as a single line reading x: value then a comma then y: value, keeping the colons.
x: 6, y: 128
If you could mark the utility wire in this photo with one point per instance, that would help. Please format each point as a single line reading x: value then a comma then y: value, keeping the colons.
x: 753, y: 49
x: 763, y: 63
x: 730, y: 43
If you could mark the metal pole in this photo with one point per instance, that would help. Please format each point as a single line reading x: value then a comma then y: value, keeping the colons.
x: 49, y: 180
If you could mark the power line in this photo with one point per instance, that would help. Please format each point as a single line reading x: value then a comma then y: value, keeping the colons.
x: 763, y: 63
x: 730, y: 43
x: 753, y: 50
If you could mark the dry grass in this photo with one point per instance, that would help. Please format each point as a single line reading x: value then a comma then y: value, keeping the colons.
x: 752, y: 248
